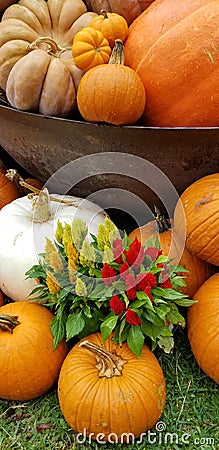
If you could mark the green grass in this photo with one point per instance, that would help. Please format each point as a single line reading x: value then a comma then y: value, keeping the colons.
x: 192, y: 407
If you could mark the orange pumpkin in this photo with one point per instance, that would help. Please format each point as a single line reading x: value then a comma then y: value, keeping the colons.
x: 106, y: 388
x: 197, y: 212
x: 112, y: 25
x: 119, y: 96
x: 90, y: 48
x: 129, y: 9
x: 28, y: 365
x: 8, y: 190
x: 173, y: 246
x: 171, y: 48
x: 203, y: 327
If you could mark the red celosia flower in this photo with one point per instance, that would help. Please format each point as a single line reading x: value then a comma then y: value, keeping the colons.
x: 124, y: 271
x: 147, y: 291
x: 166, y: 284
x: 145, y: 279
x: 117, y: 251
x: 108, y: 274
x: 135, y: 254
x: 131, y: 294
x: 153, y: 252
x: 117, y: 306
x: 132, y: 318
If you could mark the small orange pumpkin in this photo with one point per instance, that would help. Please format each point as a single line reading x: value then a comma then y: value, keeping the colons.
x: 197, y: 212
x: 90, y: 48
x: 112, y: 25
x: 106, y: 388
x: 203, y: 327
x: 172, y: 246
x: 8, y: 190
x: 129, y: 9
x: 119, y: 95
x: 28, y: 365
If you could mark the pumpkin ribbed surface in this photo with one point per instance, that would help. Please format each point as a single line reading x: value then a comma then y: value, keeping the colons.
x: 203, y: 327
x: 198, y: 212
x: 173, y: 47
x: 130, y: 403
x: 111, y: 93
x: 28, y: 365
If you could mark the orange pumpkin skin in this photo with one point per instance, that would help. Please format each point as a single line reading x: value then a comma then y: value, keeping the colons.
x: 8, y: 191
x: 90, y: 48
x: 172, y: 246
x: 2, y: 300
x: 203, y: 327
x: 179, y: 69
x: 116, y: 88
x: 197, y: 211
x: 28, y: 365
x: 129, y: 9
x: 112, y: 25
x: 130, y: 403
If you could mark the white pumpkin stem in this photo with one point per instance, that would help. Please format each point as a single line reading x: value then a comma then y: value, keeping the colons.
x: 108, y: 364
x: 52, y: 47
x: 8, y: 323
x: 41, y: 207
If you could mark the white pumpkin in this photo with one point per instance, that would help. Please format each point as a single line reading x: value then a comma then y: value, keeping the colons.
x: 23, y: 230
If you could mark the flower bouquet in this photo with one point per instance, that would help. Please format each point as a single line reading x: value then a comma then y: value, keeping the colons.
x: 111, y: 284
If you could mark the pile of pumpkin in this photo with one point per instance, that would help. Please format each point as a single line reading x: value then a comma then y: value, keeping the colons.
x: 166, y: 74
x: 95, y: 379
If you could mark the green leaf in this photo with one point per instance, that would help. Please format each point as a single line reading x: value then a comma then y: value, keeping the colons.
x: 74, y: 325
x: 108, y: 326
x: 91, y: 326
x: 99, y: 290
x: 153, y: 318
x: 167, y: 293
x: 57, y: 326
x: 135, y: 339
x: 166, y: 344
x: 175, y: 317
x: 162, y: 311
x: 87, y: 311
x: 185, y: 302
x: 147, y: 302
x: 149, y: 329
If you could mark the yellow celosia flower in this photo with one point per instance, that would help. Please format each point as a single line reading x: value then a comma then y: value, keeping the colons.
x: 52, y: 256
x: 71, y: 252
x: 72, y: 271
x: 52, y: 283
x: 107, y: 255
x: 67, y: 237
x: 106, y: 234
x: 80, y: 288
x: 59, y: 232
x: 79, y: 232
x: 87, y: 255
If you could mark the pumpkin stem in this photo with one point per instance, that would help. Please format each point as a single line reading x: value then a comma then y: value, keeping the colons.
x: 14, y: 176
x: 104, y: 13
x: 108, y: 364
x: 162, y: 223
x: 117, y: 55
x: 41, y: 207
x: 52, y: 47
x: 8, y: 323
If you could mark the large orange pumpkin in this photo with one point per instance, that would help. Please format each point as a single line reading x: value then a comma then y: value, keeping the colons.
x: 197, y: 211
x: 173, y: 46
x: 110, y: 390
x: 28, y: 365
x: 203, y: 327
x: 173, y: 246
